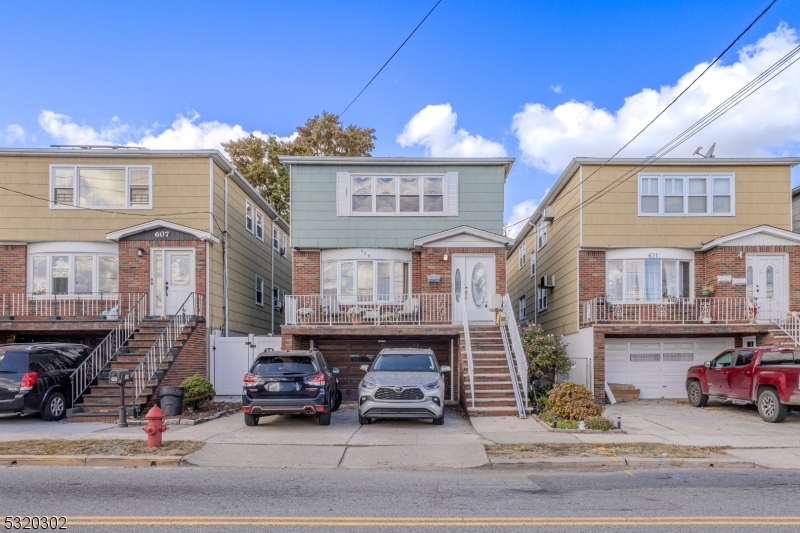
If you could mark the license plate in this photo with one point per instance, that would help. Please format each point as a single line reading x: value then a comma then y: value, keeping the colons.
x: 282, y: 387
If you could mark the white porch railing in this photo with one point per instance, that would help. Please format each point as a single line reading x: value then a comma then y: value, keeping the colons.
x: 89, y: 369
x: 520, y: 377
x: 100, y: 305
x: 315, y: 309
x: 462, y: 312
x: 677, y: 311
x: 155, y: 356
x: 790, y: 324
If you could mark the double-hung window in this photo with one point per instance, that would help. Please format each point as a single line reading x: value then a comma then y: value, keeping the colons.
x: 276, y: 239
x: 649, y: 280
x: 523, y: 312
x: 276, y: 297
x: 259, y: 225
x: 541, y: 234
x: 533, y: 264
x: 285, y: 245
x: 686, y: 195
x: 403, y: 195
x: 521, y: 253
x: 542, y: 294
x: 101, y: 186
x: 259, y: 290
x: 248, y: 217
x: 74, y: 273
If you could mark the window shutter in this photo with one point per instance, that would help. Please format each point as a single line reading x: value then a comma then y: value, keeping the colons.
x: 452, y: 194
x: 342, y: 204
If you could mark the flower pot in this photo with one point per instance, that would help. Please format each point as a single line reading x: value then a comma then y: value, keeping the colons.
x: 356, y: 319
x: 304, y: 320
x: 706, y: 320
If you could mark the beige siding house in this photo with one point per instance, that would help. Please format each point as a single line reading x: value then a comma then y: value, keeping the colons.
x: 645, y: 271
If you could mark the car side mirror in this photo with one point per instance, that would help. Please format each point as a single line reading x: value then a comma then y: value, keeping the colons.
x: 445, y: 368
x: 365, y: 368
x: 335, y: 370
x: 707, y: 364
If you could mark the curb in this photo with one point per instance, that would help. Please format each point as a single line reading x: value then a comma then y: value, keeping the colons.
x: 90, y: 460
x: 614, y: 463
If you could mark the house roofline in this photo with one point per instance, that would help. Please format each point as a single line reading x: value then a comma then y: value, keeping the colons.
x: 770, y: 230
x: 152, y: 224
x: 146, y: 153
x: 461, y: 230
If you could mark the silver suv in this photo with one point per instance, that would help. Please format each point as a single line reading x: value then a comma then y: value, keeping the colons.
x: 402, y: 383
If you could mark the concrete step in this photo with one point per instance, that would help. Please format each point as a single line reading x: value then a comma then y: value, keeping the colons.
x: 94, y: 417
x: 492, y: 411
x: 496, y: 393
x: 105, y: 399
x: 481, y: 377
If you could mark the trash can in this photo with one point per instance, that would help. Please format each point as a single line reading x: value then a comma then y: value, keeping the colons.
x: 172, y: 400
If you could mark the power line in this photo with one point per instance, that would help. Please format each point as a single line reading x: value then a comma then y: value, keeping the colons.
x: 738, y: 37
x: 392, y: 57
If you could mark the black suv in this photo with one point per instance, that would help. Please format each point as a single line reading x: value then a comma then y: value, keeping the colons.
x: 290, y: 383
x: 36, y: 378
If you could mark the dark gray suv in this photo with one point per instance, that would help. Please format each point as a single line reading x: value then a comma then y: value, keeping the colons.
x: 36, y: 378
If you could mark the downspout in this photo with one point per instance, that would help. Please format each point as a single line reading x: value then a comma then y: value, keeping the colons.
x: 272, y: 276
x: 225, y: 254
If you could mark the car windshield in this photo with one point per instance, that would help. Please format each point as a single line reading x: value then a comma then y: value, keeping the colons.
x: 13, y: 361
x: 396, y: 362
x: 284, y: 364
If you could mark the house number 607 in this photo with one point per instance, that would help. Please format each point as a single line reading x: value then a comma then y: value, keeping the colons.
x: 162, y: 234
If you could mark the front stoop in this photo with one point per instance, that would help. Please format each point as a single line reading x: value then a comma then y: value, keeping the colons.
x: 101, y: 403
x: 494, y: 390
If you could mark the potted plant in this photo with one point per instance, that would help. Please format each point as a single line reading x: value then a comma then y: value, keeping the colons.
x: 305, y: 314
x: 707, y: 290
x: 356, y: 313
x: 388, y: 318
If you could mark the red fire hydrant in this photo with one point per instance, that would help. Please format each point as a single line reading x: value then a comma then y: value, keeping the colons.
x: 154, y: 427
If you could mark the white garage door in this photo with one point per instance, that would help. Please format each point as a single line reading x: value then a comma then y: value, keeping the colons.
x: 657, y: 367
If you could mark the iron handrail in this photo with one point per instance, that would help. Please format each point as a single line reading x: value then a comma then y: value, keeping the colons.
x: 468, y: 345
x: 161, y: 347
x: 519, y: 354
x: 90, y: 368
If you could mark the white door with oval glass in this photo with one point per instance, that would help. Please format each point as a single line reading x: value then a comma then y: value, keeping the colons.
x: 473, y: 284
x: 171, y: 279
x: 767, y: 284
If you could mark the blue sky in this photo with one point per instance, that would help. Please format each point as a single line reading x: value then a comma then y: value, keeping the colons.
x: 114, y: 72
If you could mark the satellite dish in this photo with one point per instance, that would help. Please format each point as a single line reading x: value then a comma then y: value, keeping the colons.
x: 707, y: 155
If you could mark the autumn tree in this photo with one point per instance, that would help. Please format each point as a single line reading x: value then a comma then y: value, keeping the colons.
x: 256, y: 158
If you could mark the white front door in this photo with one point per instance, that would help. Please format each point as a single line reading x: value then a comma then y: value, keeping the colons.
x: 770, y: 290
x: 172, y: 279
x: 474, y: 284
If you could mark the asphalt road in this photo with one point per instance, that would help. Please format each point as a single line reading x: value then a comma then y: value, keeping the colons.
x: 200, y: 499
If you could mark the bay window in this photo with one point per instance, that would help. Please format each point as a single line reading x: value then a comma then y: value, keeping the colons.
x: 366, y: 281
x: 689, y: 195
x: 650, y: 280
x: 106, y: 186
x: 73, y: 273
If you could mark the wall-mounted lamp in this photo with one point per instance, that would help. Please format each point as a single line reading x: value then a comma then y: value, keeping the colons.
x: 140, y: 252
x: 446, y: 254
x: 740, y: 254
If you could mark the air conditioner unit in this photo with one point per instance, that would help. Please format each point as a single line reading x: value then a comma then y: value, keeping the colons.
x: 283, y: 251
x: 548, y: 282
x: 549, y: 213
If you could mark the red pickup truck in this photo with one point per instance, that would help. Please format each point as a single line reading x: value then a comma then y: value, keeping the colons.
x: 768, y: 376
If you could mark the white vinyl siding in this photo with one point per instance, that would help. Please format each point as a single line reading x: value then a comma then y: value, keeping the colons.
x: 397, y: 194
x: 687, y: 195
x: 101, y: 187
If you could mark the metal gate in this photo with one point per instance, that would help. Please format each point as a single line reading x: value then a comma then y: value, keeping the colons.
x: 231, y: 358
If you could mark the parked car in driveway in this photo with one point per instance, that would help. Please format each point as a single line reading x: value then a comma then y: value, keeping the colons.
x: 36, y: 378
x: 402, y: 383
x: 290, y: 383
x: 768, y: 376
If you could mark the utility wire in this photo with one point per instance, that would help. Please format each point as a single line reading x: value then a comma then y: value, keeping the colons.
x: 715, y: 61
x: 392, y: 57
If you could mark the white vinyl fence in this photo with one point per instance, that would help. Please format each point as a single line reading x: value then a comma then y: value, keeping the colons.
x: 231, y: 358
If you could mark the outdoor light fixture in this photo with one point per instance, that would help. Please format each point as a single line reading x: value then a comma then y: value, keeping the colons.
x: 446, y: 254
x: 140, y: 252
x: 555, y: 422
x: 619, y: 422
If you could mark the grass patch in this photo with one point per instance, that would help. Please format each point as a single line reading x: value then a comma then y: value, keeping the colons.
x: 583, y: 449
x: 97, y: 447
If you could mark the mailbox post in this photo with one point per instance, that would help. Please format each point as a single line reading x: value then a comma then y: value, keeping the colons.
x: 121, y: 377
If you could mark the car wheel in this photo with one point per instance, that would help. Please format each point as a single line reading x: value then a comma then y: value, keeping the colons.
x: 54, y: 407
x: 770, y: 407
x: 696, y: 396
x: 439, y: 421
x: 324, y: 419
x: 250, y: 420
x: 363, y: 420
x: 337, y: 401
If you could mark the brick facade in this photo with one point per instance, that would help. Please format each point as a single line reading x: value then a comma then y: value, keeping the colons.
x: 134, y: 271
x: 306, y: 273
x: 13, y: 268
x: 191, y: 360
x: 592, y: 282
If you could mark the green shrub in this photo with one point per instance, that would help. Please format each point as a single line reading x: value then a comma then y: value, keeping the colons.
x: 599, y: 422
x: 538, y: 394
x: 570, y: 401
x: 546, y: 354
x: 547, y: 418
x: 197, y: 389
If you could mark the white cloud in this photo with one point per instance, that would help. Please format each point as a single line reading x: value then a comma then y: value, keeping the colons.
x: 13, y: 134
x: 557, y: 88
x: 767, y: 123
x: 185, y: 133
x: 520, y: 212
x: 435, y: 128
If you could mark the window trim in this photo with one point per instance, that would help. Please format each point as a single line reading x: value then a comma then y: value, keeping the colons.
x: 541, y: 234
x: 76, y: 179
x: 276, y: 238
x: 276, y: 297
x: 355, y: 299
x: 523, y: 308
x: 533, y: 265
x: 397, y: 213
x: 285, y: 249
x: 644, y: 299
x: 542, y: 295
x: 521, y: 253
x: 94, y: 294
x: 259, y: 225
x: 251, y: 218
x: 709, y: 177
x: 259, y: 279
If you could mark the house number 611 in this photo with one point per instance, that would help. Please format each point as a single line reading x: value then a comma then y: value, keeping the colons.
x: 649, y: 256
x: 162, y: 234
